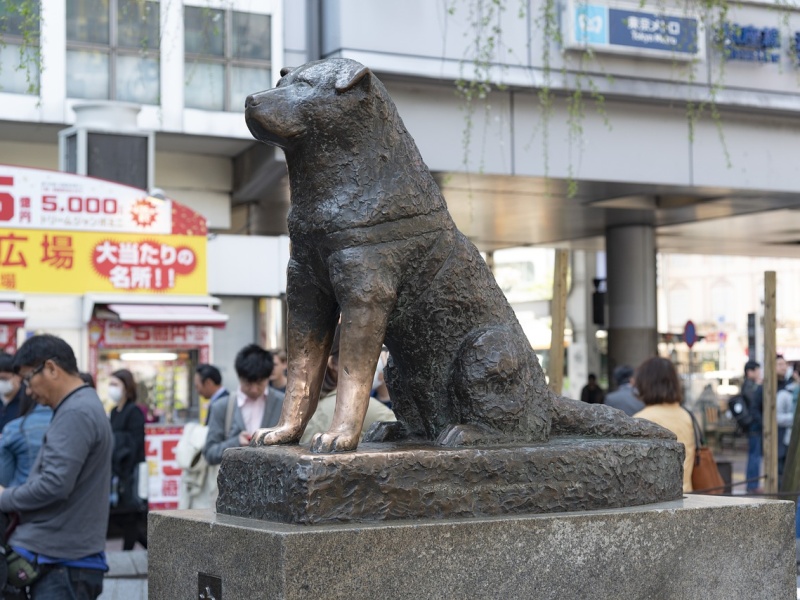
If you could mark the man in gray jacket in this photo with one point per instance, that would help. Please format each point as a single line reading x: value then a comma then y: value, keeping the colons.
x: 255, y: 405
x: 63, y: 505
x: 624, y: 398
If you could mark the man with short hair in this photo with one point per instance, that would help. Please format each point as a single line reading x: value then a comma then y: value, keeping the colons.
x: 257, y: 406
x: 751, y: 393
x: 624, y: 398
x: 11, y: 390
x: 208, y: 383
x: 63, y: 505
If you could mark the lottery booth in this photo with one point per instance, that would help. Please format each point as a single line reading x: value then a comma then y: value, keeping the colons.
x: 121, y: 275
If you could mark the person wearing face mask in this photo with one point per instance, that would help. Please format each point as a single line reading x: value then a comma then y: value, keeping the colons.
x: 127, y: 424
x: 12, y: 391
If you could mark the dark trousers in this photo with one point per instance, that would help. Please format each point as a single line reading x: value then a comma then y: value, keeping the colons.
x: 754, y: 454
x: 67, y: 583
x: 132, y: 530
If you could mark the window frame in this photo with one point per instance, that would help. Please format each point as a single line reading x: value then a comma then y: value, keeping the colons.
x: 227, y: 60
x: 113, y: 51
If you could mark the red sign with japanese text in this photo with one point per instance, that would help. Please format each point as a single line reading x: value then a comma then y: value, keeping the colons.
x: 164, y: 473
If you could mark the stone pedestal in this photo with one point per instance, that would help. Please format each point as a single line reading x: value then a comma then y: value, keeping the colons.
x: 402, y: 481
x: 698, y: 547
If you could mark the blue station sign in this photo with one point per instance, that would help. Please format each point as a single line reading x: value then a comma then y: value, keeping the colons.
x: 626, y: 30
x: 751, y: 44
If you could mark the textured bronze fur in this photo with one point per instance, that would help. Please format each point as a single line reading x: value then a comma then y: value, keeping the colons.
x: 372, y: 241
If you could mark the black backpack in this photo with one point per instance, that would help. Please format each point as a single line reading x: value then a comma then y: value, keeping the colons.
x: 740, y: 410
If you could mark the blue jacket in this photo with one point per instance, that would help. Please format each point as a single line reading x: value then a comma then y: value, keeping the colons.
x: 20, y: 444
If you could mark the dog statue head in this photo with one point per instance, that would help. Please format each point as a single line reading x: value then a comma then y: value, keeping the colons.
x: 308, y: 102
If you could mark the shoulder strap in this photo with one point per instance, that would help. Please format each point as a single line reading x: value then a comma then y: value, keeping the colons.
x: 229, y: 413
x: 699, y: 442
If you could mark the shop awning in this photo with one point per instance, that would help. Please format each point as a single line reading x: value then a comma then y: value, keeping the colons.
x: 168, y: 314
x: 10, y: 314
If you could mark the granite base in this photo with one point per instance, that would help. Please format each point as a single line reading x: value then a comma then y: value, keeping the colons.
x: 710, y: 547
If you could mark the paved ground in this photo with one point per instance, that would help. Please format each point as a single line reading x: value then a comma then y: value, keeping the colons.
x: 127, y: 575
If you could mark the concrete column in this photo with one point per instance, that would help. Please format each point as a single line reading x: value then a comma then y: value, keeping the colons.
x: 631, y: 281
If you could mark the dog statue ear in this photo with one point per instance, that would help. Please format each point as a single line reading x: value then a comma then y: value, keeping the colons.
x: 348, y: 80
x: 286, y: 70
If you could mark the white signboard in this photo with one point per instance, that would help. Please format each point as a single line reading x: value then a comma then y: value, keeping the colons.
x: 38, y: 199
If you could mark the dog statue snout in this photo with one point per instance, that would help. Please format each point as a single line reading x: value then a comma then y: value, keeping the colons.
x: 251, y: 101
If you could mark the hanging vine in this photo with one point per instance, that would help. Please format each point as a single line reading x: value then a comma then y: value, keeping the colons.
x: 20, y: 23
x: 578, y: 80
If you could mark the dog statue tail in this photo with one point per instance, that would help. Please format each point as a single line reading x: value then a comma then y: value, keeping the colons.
x: 573, y: 417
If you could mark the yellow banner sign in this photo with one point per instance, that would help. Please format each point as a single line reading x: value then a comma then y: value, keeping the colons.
x: 77, y: 262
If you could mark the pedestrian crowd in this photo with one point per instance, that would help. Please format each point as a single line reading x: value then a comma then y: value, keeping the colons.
x: 69, y: 472
x: 653, y: 391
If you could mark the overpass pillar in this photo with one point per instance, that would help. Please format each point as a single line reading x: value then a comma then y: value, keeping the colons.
x: 631, y: 282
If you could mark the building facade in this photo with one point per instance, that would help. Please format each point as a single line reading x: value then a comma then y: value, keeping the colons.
x: 630, y: 166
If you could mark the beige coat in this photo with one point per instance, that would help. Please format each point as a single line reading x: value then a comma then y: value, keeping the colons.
x: 323, y: 417
x: 678, y: 421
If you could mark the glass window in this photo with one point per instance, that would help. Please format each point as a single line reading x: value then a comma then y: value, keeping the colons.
x: 137, y: 24
x: 205, y: 86
x: 87, y: 21
x: 251, y: 36
x: 19, y: 47
x: 19, y: 69
x: 204, y: 31
x: 113, y: 50
x: 227, y: 57
x: 246, y: 81
x: 137, y: 79
x: 88, y: 74
x: 17, y: 19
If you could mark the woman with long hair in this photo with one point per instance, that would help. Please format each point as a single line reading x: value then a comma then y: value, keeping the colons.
x: 127, y: 423
x: 659, y: 387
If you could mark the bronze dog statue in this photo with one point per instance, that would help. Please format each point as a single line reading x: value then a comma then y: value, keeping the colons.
x: 373, y: 242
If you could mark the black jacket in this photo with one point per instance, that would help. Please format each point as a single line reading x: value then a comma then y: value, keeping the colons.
x: 127, y: 425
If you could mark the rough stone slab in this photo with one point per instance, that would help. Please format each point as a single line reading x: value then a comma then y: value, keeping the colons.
x: 386, y: 482
x: 709, y: 547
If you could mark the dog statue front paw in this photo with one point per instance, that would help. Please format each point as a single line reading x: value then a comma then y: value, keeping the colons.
x: 327, y: 443
x: 283, y: 434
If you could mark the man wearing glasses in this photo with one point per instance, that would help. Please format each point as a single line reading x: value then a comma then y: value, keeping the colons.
x: 63, y: 505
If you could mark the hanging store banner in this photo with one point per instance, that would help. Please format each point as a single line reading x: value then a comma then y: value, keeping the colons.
x: 39, y: 199
x: 73, y: 234
x: 79, y: 262
x: 626, y: 29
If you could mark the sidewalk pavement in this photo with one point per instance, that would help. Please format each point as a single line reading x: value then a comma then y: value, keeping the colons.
x: 127, y: 575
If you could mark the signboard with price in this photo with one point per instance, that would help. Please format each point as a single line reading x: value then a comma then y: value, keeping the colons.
x: 75, y: 234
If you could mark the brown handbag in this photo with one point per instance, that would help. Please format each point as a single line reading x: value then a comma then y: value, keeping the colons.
x: 705, y: 474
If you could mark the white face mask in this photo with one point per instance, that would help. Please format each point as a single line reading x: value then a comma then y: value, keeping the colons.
x: 6, y: 387
x: 115, y: 393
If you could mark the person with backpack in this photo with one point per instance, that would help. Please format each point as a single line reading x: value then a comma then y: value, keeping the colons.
x: 751, y: 397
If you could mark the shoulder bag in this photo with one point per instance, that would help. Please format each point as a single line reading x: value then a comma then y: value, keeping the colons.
x: 705, y: 474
